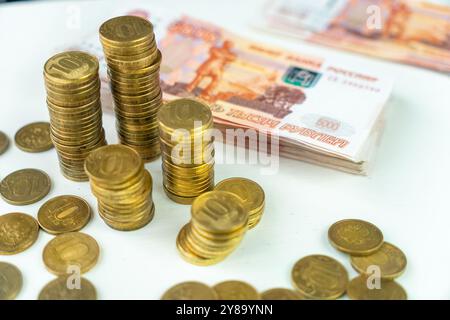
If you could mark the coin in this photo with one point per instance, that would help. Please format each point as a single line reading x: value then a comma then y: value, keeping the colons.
x: 355, y: 237
x: 18, y: 232
x: 64, y: 214
x: 4, y: 142
x: 359, y: 289
x: 10, y: 281
x: 34, y: 137
x: 281, y: 294
x: 390, y: 260
x: 319, y: 277
x: 25, y: 186
x: 251, y: 194
x: 65, y: 288
x: 236, y: 290
x: 71, y: 68
x: 74, y: 249
x: 190, y: 290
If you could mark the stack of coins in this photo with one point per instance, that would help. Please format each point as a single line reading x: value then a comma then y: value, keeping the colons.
x: 187, y: 148
x: 219, y: 222
x: 122, y: 186
x: 251, y: 194
x: 133, y: 68
x: 73, y: 99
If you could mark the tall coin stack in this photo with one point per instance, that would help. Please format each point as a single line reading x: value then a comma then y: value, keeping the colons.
x: 219, y: 222
x: 122, y: 185
x: 133, y: 67
x: 187, y: 149
x: 73, y: 100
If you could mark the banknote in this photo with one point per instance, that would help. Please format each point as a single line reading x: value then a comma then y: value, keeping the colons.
x: 414, y: 32
x: 322, y: 110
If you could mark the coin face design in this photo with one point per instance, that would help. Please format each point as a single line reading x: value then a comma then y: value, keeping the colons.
x: 360, y: 289
x: 18, y: 232
x: 64, y: 288
x: 390, y: 260
x: 356, y: 237
x: 236, y: 290
x: 320, y: 277
x: 71, y: 249
x: 4, y: 142
x: 190, y: 290
x: 64, y: 214
x: 281, y: 294
x: 25, y: 186
x: 185, y: 114
x: 219, y: 211
x: 125, y: 28
x: 34, y: 137
x: 251, y: 194
x: 10, y: 281
x: 71, y: 66
x: 113, y: 163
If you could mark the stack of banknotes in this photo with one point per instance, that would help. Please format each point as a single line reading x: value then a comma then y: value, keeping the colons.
x: 310, y: 108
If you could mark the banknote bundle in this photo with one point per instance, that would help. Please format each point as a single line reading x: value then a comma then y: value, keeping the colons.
x: 122, y: 186
x: 73, y: 99
x: 276, y: 101
x: 133, y: 69
x: 219, y: 223
x: 415, y: 32
x: 187, y: 149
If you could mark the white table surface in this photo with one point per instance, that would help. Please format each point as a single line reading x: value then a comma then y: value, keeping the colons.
x: 406, y: 195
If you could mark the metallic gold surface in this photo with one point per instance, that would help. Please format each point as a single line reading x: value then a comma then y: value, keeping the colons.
x: 191, y: 290
x: 4, y: 142
x: 236, y: 290
x: 359, y: 289
x: 281, y: 294
x: 63, y: 288
x: 18, y: 232
x: 34, y: 137
x: 10, y: 281
x: 25, y: 186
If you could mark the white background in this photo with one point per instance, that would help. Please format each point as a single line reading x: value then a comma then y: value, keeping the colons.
x: 406, y: 195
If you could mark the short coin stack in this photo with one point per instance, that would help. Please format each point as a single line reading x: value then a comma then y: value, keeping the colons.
x: 251, y: 194
x: 133, y: 67
x: 73, y: 99
x: 219, y: 222
x: 122, y: 186
x: 187, y: 149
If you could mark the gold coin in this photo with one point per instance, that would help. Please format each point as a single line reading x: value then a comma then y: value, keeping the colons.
x: 64, y: 288
x: 128, y: 29
x: 4, y: 142
x: 219, y: 212
x: 18, y: 232
x: 71, y: 67
x: 355, y: 237
x: 10, y: 281
x: 69, y: 250
x: 184, y: 114
x: 360, y: 289
x: 281, y: 294
x: 251, y: 194
x: 64, y: 214
x: 390, y: 259
x: 25, y: 186
x: 320, y: 277
x: 113, y: 163
x: 34, y: 137
x: 190, y: 290
x: 236, y: 290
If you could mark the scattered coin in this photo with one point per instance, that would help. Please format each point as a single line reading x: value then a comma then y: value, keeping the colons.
x: 18, y: 232
x: 25, y: 186
x: 10, y: 281
x: 34, y: 137
x: 64, y: 288
x: 64, y: 214
x: 251, y: 194
x: 281, y: 294
x: 390, y: 259
x: 359, y: 289
x: 236, y: 290
x: 355, y: 237
x: 320, y: 277
x: 191, y: 290
x: 71, y: 249
x: 4, y: 142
